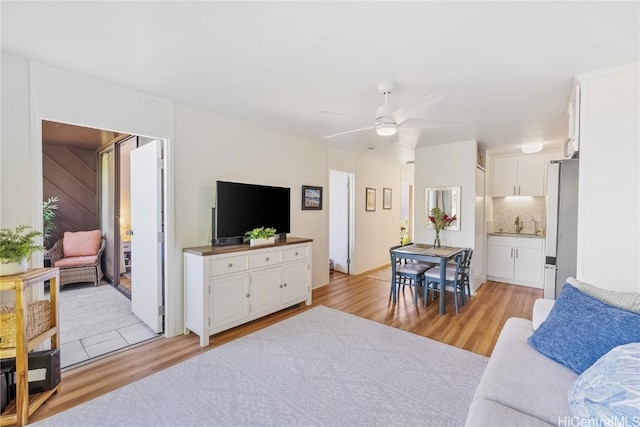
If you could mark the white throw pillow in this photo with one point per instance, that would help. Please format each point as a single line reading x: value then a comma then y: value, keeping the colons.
x: 629, y: 301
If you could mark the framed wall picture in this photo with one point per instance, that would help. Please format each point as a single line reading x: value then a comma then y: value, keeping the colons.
x: 386, y: 198
x: 371, y: 200
x: 311, y: 198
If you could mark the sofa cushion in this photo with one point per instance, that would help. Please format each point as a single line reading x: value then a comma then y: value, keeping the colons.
x: 519, y: 377
x: 629, y: 301
x: 610, y: 389
x: 580, y: 329
x: 483, y: 413
x: 541, y: 310
x: 81, y: 243
x: 75, y: 261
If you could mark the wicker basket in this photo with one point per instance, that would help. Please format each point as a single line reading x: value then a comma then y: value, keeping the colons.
x: 38, y: 321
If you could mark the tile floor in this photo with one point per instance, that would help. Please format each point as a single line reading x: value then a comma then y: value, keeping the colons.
x: 81, y: 350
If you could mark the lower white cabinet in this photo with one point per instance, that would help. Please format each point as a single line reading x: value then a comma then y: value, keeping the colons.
x: 516, y: 260
x: 226, y: 287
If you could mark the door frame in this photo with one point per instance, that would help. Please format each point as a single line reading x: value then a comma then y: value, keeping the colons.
x: 171, y: 309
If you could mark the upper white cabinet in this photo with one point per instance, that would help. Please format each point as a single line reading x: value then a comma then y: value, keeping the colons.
x: 518, y: 175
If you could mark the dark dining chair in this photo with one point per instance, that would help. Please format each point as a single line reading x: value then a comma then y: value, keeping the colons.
x: 464, y: 285
x: 452, y: 277
x: 407, y: 274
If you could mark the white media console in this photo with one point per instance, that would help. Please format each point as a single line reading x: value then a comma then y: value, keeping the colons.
x: 226, y: 286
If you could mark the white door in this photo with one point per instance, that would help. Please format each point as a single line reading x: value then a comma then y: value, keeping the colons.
x: 146, y: 240
x: 477, y: 261
x: 339, y: 220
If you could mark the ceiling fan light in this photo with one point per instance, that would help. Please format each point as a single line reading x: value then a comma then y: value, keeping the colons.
x: 386, y: 129
x: 531, y: 147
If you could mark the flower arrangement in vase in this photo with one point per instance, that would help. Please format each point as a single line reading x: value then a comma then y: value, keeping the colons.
x: 440, y: 221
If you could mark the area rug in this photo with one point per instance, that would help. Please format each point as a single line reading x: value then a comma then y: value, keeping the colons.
x: 87, y: 310
x: 322, y: 367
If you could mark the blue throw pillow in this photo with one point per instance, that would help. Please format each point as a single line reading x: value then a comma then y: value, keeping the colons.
x: 609, y: 391
x: 581, y: 329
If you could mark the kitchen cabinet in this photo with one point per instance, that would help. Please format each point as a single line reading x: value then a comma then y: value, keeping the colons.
x: 518, y: 175
x: 516, y: 260
x: 228, y: 286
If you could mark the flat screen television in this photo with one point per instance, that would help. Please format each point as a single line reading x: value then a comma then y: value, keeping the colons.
x: 243, y: 207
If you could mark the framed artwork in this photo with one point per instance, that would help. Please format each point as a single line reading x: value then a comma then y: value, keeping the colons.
x: 386, y: 198
x: 311, y: 198
x: 370, y: 200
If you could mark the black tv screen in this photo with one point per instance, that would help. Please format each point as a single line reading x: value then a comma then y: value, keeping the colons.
x: 243, y: 207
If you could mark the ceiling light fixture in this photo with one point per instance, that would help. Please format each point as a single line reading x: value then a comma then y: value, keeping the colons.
x: 531, y: 147
x: 386, y: 129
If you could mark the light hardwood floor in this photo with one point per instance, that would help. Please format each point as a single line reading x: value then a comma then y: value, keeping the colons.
x: 476, y: 329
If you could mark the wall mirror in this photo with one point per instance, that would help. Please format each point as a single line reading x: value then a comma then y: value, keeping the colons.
x: 445, y: 198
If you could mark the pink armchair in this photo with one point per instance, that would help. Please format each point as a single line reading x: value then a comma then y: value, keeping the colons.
x: 78, y: 256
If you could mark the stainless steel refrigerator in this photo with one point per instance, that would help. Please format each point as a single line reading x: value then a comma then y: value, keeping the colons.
x: 562, y: 225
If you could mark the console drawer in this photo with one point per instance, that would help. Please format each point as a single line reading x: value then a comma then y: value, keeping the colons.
x: 295, y: 253
x: 232, y: 264
x: 264, y: 259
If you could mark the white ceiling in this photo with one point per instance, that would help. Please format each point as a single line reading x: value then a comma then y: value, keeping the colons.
x: 505, y: 68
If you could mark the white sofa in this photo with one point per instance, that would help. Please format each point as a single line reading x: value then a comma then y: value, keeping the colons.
x: 522, y: 387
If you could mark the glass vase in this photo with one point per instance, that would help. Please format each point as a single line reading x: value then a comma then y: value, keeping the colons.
x: 436, y: 242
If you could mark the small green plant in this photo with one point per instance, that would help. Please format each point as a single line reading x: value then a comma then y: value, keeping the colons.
x: 260, y: 233
x: 49, y: 208
x: 18, y: 243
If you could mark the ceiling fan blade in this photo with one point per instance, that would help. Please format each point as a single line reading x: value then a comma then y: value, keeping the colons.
x: 351, y: 116
x: 430, y: 123
x: 349, y: 131
x: 416, y: 108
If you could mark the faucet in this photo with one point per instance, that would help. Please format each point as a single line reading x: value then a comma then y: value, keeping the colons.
x: 535, y: 226
x: 519, y: 225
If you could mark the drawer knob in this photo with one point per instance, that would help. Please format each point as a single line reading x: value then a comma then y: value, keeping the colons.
x: 285, y: 285
x: 230, y: 265
x: 266, y: 259
x: 280, y: 286
x: 247, y: 295
x: 296, y: 253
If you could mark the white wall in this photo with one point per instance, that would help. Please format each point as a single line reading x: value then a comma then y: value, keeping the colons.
x: 15, y: 144
x: 609, y: 183
x: 202, y: 147
x: 210, y: 147
x: 375, y: 232
x: 447, y: 165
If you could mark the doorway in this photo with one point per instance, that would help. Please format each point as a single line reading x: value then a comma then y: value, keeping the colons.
x: 341, y: 230
x: 96, y: 187
x: 406, y: 213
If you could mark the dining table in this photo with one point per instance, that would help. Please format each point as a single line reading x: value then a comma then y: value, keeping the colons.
x: 427, y: 253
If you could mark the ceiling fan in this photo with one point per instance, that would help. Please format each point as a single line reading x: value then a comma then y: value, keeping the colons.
x: 389, y: 118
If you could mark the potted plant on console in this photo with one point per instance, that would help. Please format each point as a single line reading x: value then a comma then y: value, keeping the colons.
x: 16, y: 246
x: 261, y: 236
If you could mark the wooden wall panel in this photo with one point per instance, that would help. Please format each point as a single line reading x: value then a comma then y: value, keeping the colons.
x: 71, y: 174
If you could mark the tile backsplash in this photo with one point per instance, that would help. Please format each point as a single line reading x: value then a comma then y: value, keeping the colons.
x: 506, y: 209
